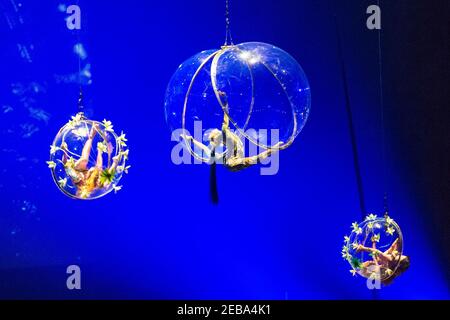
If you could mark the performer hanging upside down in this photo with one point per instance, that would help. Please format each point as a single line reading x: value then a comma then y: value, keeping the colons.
x: 383, y: 263
x: 87, y: 179
x: 233, y: 157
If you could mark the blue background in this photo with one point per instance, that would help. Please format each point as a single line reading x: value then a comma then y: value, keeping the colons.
x: 271, y: 237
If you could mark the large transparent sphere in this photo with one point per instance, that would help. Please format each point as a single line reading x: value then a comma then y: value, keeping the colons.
x: 258, y: 86
x: 87, y: 158
x: 374, y: 249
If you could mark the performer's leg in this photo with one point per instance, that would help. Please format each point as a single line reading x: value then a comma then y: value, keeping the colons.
x: 265, y: 154
x: 393, y: 247
x: 380, y: 256
x: 99, y: 162
x: 81, y: 164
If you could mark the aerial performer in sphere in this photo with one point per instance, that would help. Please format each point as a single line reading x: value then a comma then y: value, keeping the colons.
x: 387, y: 260
x: 87, y: 179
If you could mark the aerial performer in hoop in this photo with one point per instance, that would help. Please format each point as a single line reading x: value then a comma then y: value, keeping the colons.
x: 87, y: 179
x: 235, y: 94
x: 233, y: 157
x: 99, y: 168
x: 388, y: 260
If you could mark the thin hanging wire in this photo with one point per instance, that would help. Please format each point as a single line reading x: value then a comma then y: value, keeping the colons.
x: 80, y: 103
x: 383, y: 127
x: 228, y: 38
x: 351, y: 127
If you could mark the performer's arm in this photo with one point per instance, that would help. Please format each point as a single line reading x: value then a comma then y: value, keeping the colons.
x: 200, y: 145
x: 377, y: 253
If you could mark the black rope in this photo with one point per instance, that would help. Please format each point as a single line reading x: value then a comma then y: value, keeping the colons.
x: 383, y: 129
x: 351, y: 127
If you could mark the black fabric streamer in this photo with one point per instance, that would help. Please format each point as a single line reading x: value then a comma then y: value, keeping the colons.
x: 213, y: 181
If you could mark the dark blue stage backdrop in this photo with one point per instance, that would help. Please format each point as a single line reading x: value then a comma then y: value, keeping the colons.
x: 270, y: 237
